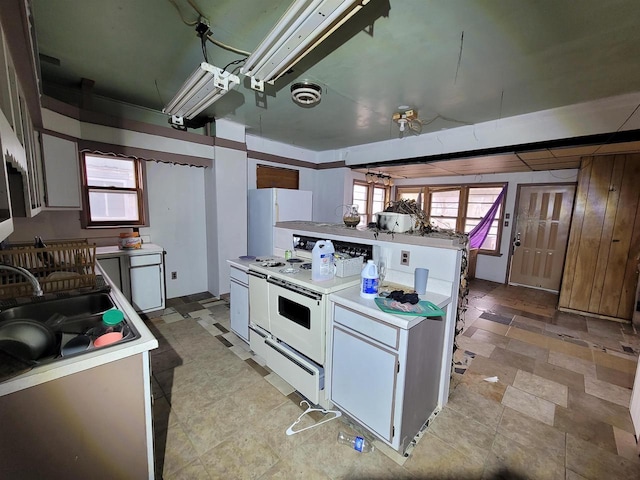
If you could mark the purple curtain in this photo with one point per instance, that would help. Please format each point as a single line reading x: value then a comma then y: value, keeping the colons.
x: 480, y: 231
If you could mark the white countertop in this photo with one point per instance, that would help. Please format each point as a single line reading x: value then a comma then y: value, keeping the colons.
x: 351, y: 298
x: 113, y: 250
x: 240, y: 263
x: 101, y: 356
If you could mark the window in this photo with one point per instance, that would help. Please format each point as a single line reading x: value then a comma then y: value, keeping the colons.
x: 113, y: 193
x: 370, y: 198
x: 460, y: 208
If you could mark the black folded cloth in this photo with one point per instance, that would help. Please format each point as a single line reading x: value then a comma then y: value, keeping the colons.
x: 400, y: 296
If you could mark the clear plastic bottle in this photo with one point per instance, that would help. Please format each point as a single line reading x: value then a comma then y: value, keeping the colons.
x: 357, y: 443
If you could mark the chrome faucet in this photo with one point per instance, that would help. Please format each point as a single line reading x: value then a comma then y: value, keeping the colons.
x: 37, y: 289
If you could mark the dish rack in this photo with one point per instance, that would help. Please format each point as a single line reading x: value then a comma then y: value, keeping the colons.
x: 60, y: 266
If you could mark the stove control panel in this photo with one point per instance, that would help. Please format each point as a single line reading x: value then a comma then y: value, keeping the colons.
x: 304, y: 243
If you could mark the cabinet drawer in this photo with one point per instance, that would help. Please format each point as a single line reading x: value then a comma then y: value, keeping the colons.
x: 239, y: 275
x: 142, y: 260
x: 370, y: 327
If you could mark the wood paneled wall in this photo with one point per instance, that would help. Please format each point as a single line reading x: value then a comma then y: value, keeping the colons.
x: 600, y: 273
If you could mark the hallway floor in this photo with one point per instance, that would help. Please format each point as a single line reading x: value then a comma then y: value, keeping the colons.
x: 537, y: 394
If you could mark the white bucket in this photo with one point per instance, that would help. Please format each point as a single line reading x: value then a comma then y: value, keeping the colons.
x: 322, y: 266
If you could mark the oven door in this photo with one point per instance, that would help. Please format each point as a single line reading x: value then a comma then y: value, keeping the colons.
x: 258, y: 299
x: 297, y: 318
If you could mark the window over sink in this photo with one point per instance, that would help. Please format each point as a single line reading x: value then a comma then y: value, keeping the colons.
x: 113, y: 191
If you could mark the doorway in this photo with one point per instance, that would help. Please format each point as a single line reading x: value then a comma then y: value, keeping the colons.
x: 541, y: 234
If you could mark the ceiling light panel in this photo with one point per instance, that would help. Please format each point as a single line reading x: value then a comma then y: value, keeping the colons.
x: 305, y: 24
x: 205, y: 85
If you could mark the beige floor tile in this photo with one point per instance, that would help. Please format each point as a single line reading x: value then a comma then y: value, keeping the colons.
x: 585, y: 367
x: 571, y: 475
x: 569, y: 348
x: 172, y: 318
x: 490, y: 337
x: 475, y: 346
x: 513, y: 359
x: 529, y: 337
x: 476, y: 383
x: 469, y: 437
x: 607, y: 391
x: 240, y: 352
x: 527, y: 349
x: 584, y: 426
x: 200, y: 313
x: 433, y: 458
x: 528, y: 404
x: 513, y: 460
x: 491, y: 326
x: 542, y: 387
x: 174, y: 450
x: 194, y: 471
x: 536, y: 436
x: 473, y: 405
x: 277, y: 381
x: 617, y: 363
x: 561, y: 375
x: 626, y: 445
x: 285, y: 470
x: 594, y: 463
x: 599, y: 409
x: 606, y: 328
x: 240, y: 456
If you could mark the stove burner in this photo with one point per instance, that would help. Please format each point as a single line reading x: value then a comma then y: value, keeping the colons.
x: 305, y: 266
x: 294, y: 260
x: 272, y: 263
x: 290, y: 270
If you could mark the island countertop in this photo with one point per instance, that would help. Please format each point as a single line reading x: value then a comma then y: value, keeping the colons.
x: 350, y: 297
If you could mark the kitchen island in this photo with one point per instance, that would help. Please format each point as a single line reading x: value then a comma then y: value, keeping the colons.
x: 387, y: 371
x: 85, y: 416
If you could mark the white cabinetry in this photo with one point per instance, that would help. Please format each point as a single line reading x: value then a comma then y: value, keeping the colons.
x: 383, y: 376
x: 147, y: 282
x: 139, y: 275
x: 239, y: 298
x: 61, y: 173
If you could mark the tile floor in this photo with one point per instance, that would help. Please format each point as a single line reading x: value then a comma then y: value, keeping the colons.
x: 557, y: 407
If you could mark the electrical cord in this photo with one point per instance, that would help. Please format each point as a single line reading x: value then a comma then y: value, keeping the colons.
x: 233, y: 63
x: 227, y: 47
x: 191, y: 24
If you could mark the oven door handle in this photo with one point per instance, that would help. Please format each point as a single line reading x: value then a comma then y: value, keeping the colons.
x: 289, y: 357
x: 257, y: 274
x: 294, y: 288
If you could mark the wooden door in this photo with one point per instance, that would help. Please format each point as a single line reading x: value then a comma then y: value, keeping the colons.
x: 604, y: 243
x: 541, y: 235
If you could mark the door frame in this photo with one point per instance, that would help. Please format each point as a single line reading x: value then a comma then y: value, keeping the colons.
x: 515, y: 223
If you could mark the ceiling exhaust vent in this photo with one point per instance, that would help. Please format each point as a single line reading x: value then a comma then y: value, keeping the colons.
x: 306, y: 94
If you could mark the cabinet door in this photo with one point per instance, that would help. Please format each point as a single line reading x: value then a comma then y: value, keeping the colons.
x: 61, y: 172
x: 363, y: 381
x: 146, y: 288
x: 111, y: 267
x: 239, y: 296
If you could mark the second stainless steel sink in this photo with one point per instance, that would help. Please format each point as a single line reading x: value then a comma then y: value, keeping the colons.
x: 78, y: 306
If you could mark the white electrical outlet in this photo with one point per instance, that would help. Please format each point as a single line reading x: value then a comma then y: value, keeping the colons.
x: 404, y: 257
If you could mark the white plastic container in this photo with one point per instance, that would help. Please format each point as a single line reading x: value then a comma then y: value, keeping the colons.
x: 322, y: 266
x: 369, y: 280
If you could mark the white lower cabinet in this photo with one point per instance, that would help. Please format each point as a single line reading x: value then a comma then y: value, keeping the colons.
x: 140, y: 277
x: 239, y: 299
x: 383, y: 376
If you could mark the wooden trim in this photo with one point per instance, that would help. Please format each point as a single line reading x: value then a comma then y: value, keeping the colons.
x: 268, y: 157
x: 96, y: 118
x: 143, y: 154
x: 594, y: 315
x: 331, y: 165
x: 232, y: 144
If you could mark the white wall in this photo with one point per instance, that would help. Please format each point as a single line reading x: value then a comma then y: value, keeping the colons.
x: 490, y: 267
x: 332, y: 191
x: 177, y: 223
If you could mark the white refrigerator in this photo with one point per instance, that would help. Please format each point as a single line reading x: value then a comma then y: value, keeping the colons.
x: 266, y: 206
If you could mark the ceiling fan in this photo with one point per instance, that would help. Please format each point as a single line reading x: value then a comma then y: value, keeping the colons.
x: 408, y: 122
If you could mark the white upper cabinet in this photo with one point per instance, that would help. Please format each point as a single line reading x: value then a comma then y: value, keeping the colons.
x: 61, y: 173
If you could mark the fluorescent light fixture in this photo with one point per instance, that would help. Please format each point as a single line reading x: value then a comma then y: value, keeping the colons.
x: 302, y: 28
x: 206, y: 85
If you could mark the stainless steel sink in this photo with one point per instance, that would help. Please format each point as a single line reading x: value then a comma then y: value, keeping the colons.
x: 78, y: 306
x: 68, y: 318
